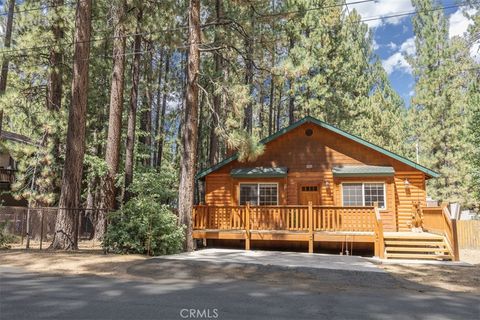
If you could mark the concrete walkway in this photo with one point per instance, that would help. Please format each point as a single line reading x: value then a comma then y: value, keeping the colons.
x: 276, y: 258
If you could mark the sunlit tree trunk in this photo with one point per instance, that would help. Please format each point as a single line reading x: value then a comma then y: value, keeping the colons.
x: 66, y: 221
x: 112, y: 153
x: 190, y: 128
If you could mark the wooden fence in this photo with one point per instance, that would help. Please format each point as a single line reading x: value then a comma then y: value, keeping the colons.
x: 468, y: 232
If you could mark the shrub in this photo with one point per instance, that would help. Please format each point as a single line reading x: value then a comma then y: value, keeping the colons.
x: 5, y: 237
x: 144, y: 226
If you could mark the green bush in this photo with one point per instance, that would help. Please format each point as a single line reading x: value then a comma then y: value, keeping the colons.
x: 5, y: 237
x: 144, y: 226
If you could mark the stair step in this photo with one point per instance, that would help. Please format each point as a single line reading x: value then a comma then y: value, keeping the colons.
x: 414, y: 243
x: 417, y: 256
x: 410, y: 249
x: 414, y: 236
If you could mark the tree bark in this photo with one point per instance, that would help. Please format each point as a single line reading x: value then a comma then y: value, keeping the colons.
x: 248, y: 116
x: 279, y: 108
x: 146, y: 114
x: 190, y: 129
x: 6, y: 44
x: 161, y: 122
x: 112, y: 152
x: 291, y: 95
x: 270, y: 106
x: 132, y: 111
x: 158, y: 107
x: 66, y: 222
x: 291, y: 103
x: 217, y: 99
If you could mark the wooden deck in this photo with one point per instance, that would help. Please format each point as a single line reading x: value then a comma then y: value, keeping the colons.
x: 287, y: 223
x: 329, y: 224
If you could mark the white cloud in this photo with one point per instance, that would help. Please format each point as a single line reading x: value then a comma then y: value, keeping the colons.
x: 408, y: 47
x: 396, y: 62
x: 375, y: 45
x: 381, y: 8
x: 392, y: 46
x: 458, y: 22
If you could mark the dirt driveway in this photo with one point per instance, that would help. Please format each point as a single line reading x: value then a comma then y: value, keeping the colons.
x: 96, y: 286
x: 448, y: 277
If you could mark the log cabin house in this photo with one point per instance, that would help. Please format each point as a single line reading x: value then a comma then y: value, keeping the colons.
x: 321, y: 187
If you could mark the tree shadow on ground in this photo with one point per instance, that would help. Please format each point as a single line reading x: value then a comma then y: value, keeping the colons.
x: 162, y: 288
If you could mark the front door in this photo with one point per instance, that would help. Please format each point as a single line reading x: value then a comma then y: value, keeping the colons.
x: 309, y: 193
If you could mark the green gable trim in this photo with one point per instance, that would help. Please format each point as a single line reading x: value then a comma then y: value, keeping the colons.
x: 363, y: 171
x: 322, y: 124
x: 259, y: 172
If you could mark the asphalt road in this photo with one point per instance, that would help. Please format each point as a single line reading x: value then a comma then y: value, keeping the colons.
x: 170, y: 290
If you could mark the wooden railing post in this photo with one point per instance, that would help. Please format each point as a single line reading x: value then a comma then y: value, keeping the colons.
x: 310, y: 227
x: 205, y: 217
x: 379, y: 240
x: 456, y: 252
x: 247, y: 226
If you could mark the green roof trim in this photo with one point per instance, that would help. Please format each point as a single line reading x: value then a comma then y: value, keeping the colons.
x: 259, y: 172
x: 363, y: 171
x: 327, y: 126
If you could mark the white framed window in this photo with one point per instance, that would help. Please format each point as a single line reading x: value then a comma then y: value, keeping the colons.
x: 363, y: 194
x: 259, y: 194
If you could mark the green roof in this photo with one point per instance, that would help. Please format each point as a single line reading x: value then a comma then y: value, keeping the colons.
x: 325, y: 125
x: 259, y: 172
x: 362, y: 171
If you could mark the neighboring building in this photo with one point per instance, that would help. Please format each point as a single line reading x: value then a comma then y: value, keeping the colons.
x: 8, y: 169
x: 340, y: 174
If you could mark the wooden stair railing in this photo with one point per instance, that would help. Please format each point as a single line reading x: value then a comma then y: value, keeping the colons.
x: 437, y: 220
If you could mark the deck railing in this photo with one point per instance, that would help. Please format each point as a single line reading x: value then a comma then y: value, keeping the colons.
x: 437, y: 220
x: 284, y: 218
x: 306, y: 219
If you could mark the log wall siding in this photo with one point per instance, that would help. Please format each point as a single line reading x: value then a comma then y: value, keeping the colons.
x: 323, y: 151
x: 406, y: 197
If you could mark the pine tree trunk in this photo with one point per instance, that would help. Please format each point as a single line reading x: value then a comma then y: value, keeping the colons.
x: 291, y: 95
x: 190, y: 129
x: 279, y: 108
x: 158, y: 107
x: 112, y: 152
x: 261, y: 98
x: 181, y: 117
x: 66, y: 222
x: 146, y: 114
x: 248, y: 116
x: 270, y: 106
x: 161, y: 122
x: 6, y: 44
x: 217, y: 99
x: 132, y: 111
x: 291, y: 103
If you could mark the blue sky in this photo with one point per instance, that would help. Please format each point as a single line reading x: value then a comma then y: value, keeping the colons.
x: 394, y: 39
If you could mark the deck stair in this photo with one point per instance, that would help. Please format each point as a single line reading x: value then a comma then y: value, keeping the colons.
x: 411, y: 245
